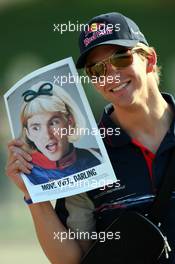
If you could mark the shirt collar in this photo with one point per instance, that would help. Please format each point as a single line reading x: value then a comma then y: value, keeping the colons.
x: 42, y: 161
x: 116, y: 140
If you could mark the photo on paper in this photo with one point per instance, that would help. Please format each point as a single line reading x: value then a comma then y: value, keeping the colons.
x: 49, y: 111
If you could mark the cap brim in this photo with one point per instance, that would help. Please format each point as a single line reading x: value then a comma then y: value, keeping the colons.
x: 122, y: 42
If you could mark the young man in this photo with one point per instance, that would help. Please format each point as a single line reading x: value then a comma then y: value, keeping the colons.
x: 113, y: 45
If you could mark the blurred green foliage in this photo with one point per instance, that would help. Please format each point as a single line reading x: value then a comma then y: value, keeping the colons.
x: 27, y: 29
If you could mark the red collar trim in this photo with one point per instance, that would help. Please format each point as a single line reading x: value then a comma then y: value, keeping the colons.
x: 39, y: 159
x: 144, y: 149
x: 149, y: 158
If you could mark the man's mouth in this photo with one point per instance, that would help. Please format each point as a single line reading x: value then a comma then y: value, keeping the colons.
x: 120, y: 87
x: 52, y: 147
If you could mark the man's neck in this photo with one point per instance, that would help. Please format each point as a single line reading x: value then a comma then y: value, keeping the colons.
x: 147, y: 121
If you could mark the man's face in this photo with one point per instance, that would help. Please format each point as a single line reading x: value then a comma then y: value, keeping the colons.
x: 41, y: 131
x: 133, y: 78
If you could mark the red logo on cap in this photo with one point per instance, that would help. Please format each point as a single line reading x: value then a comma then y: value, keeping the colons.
x: 98, y: 30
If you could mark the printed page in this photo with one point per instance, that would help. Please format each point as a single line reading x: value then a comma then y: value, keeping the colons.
x: 49, y: 111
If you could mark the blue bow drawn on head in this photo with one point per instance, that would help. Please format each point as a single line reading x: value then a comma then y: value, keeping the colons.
x: 44, y: 89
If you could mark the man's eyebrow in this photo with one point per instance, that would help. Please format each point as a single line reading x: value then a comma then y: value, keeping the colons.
x: 39, y: 124
x: 55, y: 116
x: 34, y: 124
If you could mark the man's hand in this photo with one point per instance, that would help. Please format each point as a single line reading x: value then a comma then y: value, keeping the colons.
x: 18, y: 161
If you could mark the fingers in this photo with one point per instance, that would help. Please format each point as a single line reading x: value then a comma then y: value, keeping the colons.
x: 18, y: 160
x: 17, y: 153
x: 15, y: 142
x: 20, y: 166
x: 14, y: 170
x: 19, y: 144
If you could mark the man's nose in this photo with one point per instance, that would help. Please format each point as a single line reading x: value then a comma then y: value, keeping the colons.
x: 111, y: 69
x: 112, y: 74
x: 47, y: 131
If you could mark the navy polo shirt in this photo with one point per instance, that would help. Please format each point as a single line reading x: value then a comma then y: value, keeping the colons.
x: 139, y: 172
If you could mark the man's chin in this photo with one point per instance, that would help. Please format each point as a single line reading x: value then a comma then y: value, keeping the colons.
x: 125, y: 102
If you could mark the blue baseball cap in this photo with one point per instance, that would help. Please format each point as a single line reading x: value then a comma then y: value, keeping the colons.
x: 111, y: 28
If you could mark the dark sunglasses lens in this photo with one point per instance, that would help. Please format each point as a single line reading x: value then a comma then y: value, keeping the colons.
x: 97, y: 70
x: 122, y: 60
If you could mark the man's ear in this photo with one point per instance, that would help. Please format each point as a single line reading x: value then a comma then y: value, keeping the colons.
x: 71, y: 121
x: 151, y: 61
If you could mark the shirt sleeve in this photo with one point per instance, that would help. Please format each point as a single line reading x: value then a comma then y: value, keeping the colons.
x: 76, y: 213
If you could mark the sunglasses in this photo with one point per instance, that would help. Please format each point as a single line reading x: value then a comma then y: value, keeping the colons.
x: 120, y: 59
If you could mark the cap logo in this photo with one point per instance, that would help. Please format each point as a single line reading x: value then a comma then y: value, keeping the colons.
x: 97, y: 30
x: 95, y: 27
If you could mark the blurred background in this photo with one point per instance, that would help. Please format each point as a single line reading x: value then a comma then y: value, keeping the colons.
x: 27, y: 42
